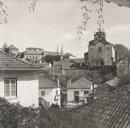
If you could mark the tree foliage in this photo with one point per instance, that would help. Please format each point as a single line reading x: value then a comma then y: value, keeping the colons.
x: 86, y: 15
x: 121, y: 52
x: 33, y: 5
x: 5, y: 48
x: 3, y: 13
x: 57, y: 58
x: 51, y: 58
x: 16, y: 116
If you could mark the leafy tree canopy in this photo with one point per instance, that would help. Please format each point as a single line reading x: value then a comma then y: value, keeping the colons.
x: 121, y: 52
x: 51, y: 58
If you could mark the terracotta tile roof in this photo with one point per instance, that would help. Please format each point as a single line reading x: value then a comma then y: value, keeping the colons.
x: 45, y: 83
x: 80, y: 83
x: 10, y: 62
x: 109, y: 111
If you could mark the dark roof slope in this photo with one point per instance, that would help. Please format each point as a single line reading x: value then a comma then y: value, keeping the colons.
x: 10, y: 62
x: 109, y: 111
x: 13, y: 47
x: 80, y: 83
x: 45, y: 83
x: 77, y: 60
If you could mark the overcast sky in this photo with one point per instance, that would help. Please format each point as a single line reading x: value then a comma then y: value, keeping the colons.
x: 55, y: 22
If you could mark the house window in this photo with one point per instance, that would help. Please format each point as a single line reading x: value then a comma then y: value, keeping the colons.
x: 10, y: 87
x: 100, y: 50
x: 42, y: 93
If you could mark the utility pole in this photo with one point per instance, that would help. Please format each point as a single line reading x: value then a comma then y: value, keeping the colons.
x: 92, y: 69
x: 93, y: 83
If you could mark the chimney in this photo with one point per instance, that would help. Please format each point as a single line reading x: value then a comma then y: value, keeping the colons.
x: 68, y: 82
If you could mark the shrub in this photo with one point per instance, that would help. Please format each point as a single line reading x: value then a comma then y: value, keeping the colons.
x: 16, y: 116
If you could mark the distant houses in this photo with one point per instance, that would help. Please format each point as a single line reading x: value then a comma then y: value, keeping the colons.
x: 33, y: 55
x: 22, y: 82
x: 37, y: 55
x: 49, y: 91
x: 78, y: 91
x: 13, y: 49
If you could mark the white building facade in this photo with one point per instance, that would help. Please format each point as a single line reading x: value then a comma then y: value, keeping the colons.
x: 78, y: 91
x: 18, y: 81
x: 49, y: 91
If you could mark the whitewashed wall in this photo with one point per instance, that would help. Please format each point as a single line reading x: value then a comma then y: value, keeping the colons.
x: 70, y: 94
x: 27, y: 86
x: 50, y: 94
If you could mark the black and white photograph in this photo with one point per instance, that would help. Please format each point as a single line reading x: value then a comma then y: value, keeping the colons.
x: 64, y: 63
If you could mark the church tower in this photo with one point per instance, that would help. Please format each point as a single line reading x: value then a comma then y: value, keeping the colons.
x: 99, y: 50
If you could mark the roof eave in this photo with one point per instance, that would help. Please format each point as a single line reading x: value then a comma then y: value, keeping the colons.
x: 49, y: 87
x: 19, y: 69
x: 77, y: 88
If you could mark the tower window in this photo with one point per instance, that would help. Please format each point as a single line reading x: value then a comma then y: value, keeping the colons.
x: 100, y: 50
